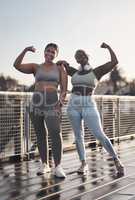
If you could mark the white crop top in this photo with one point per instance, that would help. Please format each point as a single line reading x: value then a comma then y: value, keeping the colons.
x: 86, y: 80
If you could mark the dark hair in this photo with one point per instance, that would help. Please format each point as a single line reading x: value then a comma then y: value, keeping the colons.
x: 55, y: 46
x: 82, y: 51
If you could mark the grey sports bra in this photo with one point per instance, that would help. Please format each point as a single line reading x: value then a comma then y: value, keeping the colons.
x: 85, y: 80
x: 51, y: 76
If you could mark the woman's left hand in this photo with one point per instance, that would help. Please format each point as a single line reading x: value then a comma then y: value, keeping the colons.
x: 58, y: 109
x: 58, y: 106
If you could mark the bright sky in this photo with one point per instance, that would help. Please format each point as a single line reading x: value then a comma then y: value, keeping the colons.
x: 72, y: 24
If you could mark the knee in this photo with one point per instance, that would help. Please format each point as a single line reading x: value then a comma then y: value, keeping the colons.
x: 71, y: 113
x: 101, y: 136
x: 79, y: 137
x: 55, y: 133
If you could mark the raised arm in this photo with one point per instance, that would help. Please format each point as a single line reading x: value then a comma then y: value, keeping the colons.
x: 28, y: 68
x: 70, y: 70
x: 107, y: 67
x: 63, y: 84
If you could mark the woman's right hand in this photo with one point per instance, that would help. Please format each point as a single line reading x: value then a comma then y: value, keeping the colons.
x: 62, y: 62
x: 30, y: 48
x: 104, y: 45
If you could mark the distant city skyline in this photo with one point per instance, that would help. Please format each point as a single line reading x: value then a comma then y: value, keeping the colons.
x: 72, y: 24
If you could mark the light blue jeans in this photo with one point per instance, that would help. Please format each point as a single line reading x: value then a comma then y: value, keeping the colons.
x: 84, y: 108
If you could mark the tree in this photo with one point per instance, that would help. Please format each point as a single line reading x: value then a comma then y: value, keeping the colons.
x: 117, y: 79
x: 3, y: 86
x: 7, y: 83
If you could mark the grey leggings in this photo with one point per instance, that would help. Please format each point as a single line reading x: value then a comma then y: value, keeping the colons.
x: 46, y: 121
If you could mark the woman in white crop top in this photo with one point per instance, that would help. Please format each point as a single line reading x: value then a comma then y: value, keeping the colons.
x: 83, y: 107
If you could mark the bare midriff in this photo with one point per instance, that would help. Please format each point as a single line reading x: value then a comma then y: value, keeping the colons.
x: 44, y: 86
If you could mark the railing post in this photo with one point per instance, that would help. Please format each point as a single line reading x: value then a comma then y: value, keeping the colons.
x: 18, y: 127
x: 21, y: 126
x: 27, y: 132
x: 113, y: 121
x: 118, y: 118
x: 101, y: 115
x: 102, y: 112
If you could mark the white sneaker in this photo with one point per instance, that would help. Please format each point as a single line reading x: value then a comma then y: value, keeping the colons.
x: 83, y: 169
x: 44, y: 168
x: 59, y: 172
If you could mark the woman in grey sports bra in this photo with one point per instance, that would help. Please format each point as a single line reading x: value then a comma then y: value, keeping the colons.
x: 46, y: 105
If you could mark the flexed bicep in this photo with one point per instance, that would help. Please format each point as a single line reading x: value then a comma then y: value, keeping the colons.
x: 27, y: 68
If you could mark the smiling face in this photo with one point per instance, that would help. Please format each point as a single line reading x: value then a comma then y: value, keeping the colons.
x: 81, y: 57
x: 51, y: 51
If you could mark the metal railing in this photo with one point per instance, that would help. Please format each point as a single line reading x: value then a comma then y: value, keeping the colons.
x: 17, y: 136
